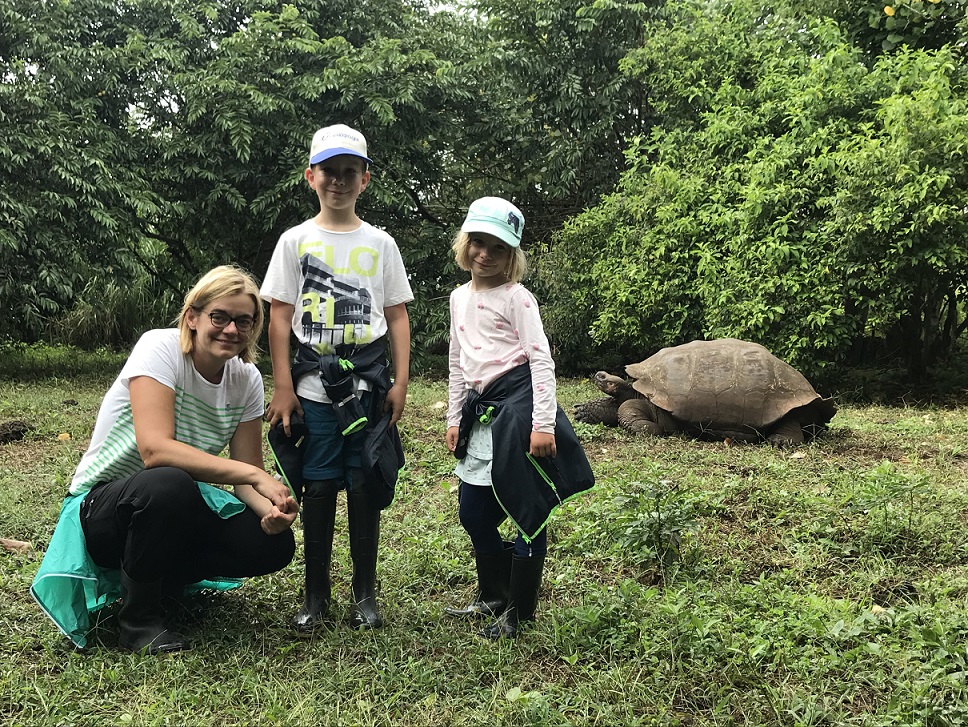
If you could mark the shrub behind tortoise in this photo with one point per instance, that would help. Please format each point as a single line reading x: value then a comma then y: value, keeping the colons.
x: 721, y: 389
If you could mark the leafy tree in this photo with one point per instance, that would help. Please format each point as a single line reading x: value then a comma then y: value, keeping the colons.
x: 70, y: 180
x: 196, y: 117
x: 193, y: 121
x: 793, y: 198
x: 884, y: 25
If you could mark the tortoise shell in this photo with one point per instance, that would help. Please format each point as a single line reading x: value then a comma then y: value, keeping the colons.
x: 726, y: 384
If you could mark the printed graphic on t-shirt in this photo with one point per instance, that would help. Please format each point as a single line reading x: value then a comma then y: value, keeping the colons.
x: 336, y: 304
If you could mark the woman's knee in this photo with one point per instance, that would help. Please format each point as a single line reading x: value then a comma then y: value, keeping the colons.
x: 284, y: 549
x: 167, y: 489
x: 275, y: 553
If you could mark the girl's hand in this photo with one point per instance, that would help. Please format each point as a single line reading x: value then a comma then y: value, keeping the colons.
x: 451, y: 437
x: 543, y: 445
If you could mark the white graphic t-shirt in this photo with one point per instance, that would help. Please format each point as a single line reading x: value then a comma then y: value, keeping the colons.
x: 340, y: 284
x: 206, y: 414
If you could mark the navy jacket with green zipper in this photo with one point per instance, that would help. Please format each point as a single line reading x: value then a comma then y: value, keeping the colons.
x: 382, y: 450
x: 528, y: 489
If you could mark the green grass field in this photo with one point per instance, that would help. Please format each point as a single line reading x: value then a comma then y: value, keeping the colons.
x: 698, y: 584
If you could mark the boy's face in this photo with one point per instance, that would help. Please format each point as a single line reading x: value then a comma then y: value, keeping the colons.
x: 338, y: 181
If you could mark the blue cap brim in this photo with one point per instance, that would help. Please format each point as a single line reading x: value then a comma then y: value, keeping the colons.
x: 330, y: 153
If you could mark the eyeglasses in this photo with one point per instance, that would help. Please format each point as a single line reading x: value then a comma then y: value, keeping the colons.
x: 220, y: 319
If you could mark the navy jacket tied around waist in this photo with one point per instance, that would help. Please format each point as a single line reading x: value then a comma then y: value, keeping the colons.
x: 529, y: 489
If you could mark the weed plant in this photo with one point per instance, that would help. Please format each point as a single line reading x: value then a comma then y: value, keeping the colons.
x: 698, y: 584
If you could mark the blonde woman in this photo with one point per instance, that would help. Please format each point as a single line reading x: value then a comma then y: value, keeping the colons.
x: 140, y: 520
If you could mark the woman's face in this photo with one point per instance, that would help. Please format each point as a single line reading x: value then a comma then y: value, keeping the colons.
x: 223, y: 327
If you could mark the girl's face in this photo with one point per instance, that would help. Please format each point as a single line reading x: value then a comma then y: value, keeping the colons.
x: 222, y: 329
x: 489, y: 256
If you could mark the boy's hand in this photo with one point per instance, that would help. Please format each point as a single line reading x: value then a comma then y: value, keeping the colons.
x: 543, y: 445
x: 395, y: 401
x: 451, y: 437
x: 281, y: 407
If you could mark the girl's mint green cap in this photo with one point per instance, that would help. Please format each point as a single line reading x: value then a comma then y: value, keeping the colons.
x: 497, y: 217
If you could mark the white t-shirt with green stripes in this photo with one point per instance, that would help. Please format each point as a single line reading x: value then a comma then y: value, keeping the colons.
x: 206, y: 414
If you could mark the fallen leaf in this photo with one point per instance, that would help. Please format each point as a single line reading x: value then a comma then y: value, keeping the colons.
x: 798, y: 455
x: 15, y: 546
x: 64, y: 436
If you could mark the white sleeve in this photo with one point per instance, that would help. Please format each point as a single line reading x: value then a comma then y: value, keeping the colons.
x: 456, y: 386
x: 525, y: 317
x: 156, y: 355
x: 255, y: 401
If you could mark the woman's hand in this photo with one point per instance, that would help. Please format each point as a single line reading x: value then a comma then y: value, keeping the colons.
x: 279, y: 520
x: 275, y: 492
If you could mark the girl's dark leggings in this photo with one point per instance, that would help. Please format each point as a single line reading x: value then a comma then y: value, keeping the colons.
x: 155, y: 524
x: 481, y: 514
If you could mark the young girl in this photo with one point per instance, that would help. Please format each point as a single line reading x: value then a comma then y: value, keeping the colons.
x: 519, y: 456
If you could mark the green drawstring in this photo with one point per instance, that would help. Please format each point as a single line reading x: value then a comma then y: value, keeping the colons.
x: 485, y: 418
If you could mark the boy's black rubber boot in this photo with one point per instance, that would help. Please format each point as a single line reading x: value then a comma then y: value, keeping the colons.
x: 319, y: 522
x: 364, y: 523
x: 493, y: 584
x: 140, y: 620
x: 522, y: 601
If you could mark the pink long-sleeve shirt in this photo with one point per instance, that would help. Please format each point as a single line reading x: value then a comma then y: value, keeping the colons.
x: 491, y: 332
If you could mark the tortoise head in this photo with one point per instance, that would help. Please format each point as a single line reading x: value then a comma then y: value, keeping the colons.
x: 613, y: 385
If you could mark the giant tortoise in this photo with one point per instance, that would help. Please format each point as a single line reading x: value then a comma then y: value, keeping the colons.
x: 721, y: 389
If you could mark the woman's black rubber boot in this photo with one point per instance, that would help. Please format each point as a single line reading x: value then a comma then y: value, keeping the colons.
x: 141, y: 621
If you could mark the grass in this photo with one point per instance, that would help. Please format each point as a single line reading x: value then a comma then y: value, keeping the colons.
x: 698, y: 584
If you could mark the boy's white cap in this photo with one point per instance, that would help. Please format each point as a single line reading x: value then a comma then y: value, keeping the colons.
x: 334, y: 140
x: 497, y: 217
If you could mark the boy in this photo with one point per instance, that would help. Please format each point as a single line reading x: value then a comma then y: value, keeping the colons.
x: 339, y: 284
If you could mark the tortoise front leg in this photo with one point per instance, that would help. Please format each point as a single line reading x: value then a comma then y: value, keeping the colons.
x: 786, y: 432
x: 641, y: 416
x: 601, y: 411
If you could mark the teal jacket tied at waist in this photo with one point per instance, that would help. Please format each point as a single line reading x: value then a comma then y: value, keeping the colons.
x: 69, y: 586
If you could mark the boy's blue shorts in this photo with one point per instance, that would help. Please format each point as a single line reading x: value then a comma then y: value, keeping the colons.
x: 328, y: 454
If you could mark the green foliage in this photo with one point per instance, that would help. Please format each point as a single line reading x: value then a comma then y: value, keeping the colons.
x: 196, y: 119
x: 882, y: 27
x: 653, y: 517
x: 71, y: 183
x: 790, y: 197
x: 113, y: 315
x: 55, y: 362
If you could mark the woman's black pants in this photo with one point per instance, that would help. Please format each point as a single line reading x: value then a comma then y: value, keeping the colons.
x: 156, y: 525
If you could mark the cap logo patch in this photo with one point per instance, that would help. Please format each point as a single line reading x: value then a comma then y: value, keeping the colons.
x: 513, y: 221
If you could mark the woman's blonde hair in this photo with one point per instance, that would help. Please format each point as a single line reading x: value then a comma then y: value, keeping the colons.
x: 218, y: 283
x: 517, y: 263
